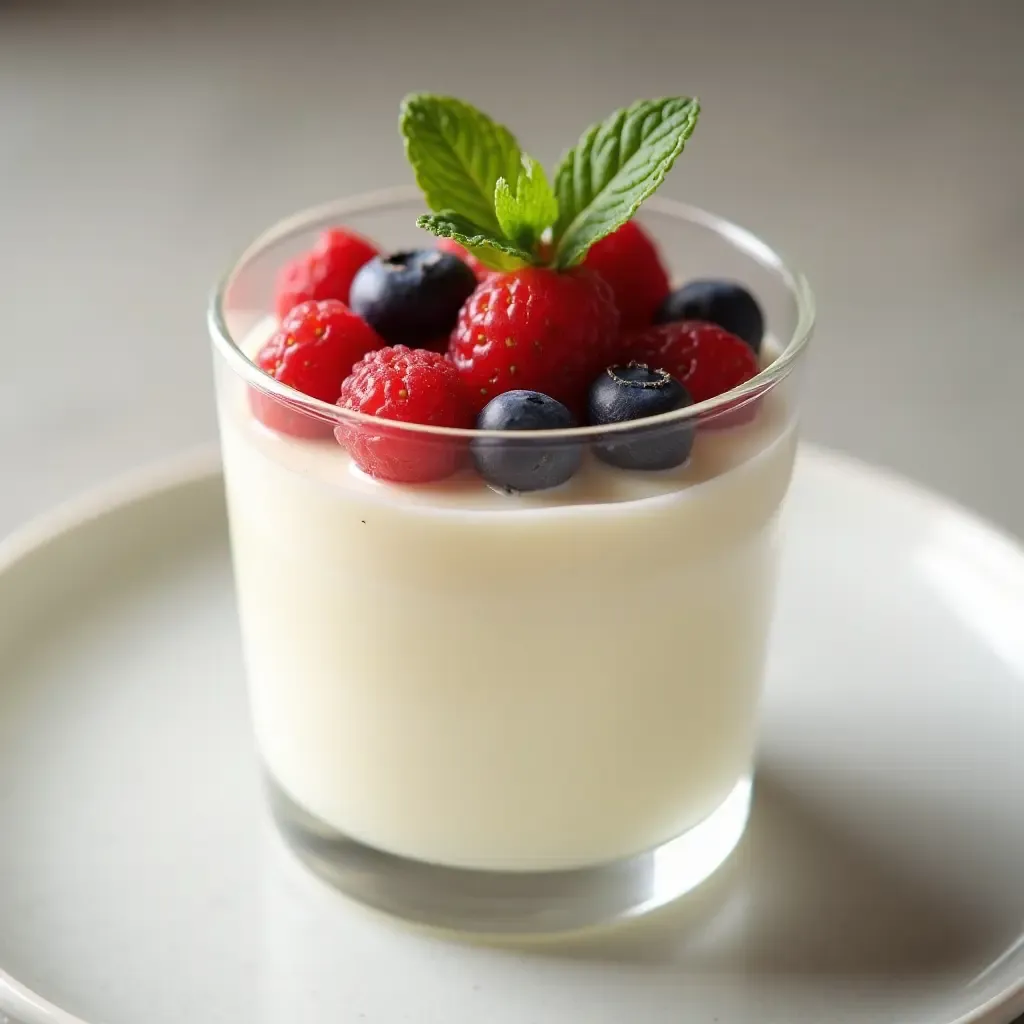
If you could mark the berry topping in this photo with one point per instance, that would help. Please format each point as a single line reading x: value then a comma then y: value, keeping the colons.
x: 725, y: 303
x: 525, y: 464
x: 312, y: 351
x: 706, y: 359
x: 635, y: 392
x: 535, y: 329
x: 407, y: 386
x: 628, y: 260
x: 325, y: 272
x: 449, y: 245
x: 412, y: 298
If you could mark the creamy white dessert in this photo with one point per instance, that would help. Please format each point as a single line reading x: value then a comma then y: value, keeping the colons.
x: 485, y: 681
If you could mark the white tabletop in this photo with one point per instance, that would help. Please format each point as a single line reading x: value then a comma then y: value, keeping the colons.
x: 143, y: 144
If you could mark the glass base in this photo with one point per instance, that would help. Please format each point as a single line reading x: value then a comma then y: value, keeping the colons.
x: 509, y: 903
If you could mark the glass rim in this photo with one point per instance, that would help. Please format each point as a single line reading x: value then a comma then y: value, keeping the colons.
x: 739, y: 237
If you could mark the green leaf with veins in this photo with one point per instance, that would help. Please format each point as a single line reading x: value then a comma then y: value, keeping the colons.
x: 491, y: 248
x: 525, y: 214
x: 497, y: 202
x: 458, y: 154
x: 615, y: 166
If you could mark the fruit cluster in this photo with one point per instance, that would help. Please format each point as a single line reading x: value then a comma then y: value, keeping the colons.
x: 519, y: 319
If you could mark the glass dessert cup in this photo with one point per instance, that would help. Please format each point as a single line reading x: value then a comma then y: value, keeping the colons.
x: 502, y: 713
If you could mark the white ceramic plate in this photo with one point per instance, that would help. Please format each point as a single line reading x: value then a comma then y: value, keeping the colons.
x: 882, y: 878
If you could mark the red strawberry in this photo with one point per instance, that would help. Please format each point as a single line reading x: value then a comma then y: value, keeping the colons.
x: 313, y: 352
x: 408, y: 386
x: 628, y: 260
x: 325, y: 271
x: 538, y: 330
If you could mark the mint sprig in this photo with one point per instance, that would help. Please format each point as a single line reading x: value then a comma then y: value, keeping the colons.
x: 615, y: 166
x: 525, y: 214
x: 489, y: 247
x: 458, y: 154
x: 496, y: 201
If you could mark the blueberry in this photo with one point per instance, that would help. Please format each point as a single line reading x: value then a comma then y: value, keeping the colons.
x: 725, y: 303
x: 634, y: 392
x: 524, y: 464
x: 412, y: 298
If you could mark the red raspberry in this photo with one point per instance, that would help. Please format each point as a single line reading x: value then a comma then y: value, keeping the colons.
x: 538, y: 330
x: 325, y: 272
x: 628, y: 260
x: 408, y: 386
x: 450, y: 245
x: 706, y: 359
x: 312, y: 351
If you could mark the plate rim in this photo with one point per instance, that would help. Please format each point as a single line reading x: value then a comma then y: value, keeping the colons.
x: 203, y: 464
x: 111, y: 496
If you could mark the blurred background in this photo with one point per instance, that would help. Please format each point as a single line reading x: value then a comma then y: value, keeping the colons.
x: 879, y: 145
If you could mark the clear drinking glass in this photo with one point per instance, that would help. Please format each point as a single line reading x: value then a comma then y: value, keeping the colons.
x: 500, y: 713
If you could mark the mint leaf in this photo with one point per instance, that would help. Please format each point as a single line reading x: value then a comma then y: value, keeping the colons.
x: 614, y: 167
x: 525, y: 214
x: 491, y: 248
x: 458, y: 154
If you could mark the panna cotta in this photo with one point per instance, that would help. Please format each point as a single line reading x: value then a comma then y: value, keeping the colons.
x: 504, y: 462
x: 524, y: 683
